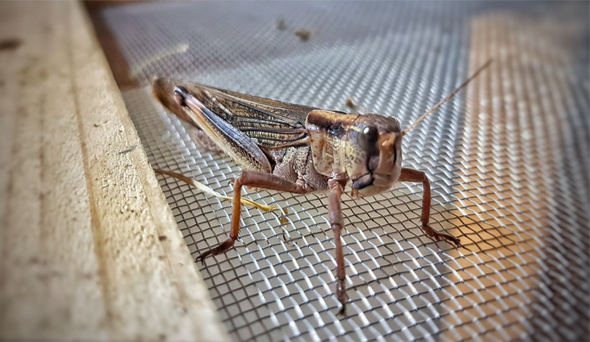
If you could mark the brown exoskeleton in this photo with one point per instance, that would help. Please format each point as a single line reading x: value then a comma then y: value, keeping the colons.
x: 299, y: 149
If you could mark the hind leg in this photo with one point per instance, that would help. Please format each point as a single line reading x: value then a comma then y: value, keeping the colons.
x: 254, y: 179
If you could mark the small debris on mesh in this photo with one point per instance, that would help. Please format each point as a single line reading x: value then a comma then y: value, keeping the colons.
x: 288, y: 241
x: 350, y: 103
x: 303, y: 34
x: 281, y: 26
x: 10, y: 44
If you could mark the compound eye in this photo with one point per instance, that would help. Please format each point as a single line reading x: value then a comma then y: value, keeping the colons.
x: 367, y: 139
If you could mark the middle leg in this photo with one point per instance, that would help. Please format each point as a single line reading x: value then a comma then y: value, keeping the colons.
x: 335, y: 218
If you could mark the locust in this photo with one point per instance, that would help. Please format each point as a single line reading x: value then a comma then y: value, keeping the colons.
x: 299, y: 149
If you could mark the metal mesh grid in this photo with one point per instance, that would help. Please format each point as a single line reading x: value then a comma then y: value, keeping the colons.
x: 508, y: 164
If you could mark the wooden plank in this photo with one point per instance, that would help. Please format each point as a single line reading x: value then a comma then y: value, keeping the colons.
x: 89, y: 247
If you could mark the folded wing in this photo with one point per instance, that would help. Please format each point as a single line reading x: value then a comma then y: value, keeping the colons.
x: 269, y: 123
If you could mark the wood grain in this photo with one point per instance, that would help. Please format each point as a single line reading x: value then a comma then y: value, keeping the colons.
x: 89, y: 249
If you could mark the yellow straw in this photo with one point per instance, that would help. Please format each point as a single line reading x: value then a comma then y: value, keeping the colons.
x: 207, y: 190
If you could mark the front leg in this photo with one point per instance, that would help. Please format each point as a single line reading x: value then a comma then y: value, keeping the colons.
x: 409, y: 175
x: 336, y: 187
x: 255, y: 179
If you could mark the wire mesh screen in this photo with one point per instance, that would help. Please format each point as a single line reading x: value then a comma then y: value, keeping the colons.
x: 507, y: 160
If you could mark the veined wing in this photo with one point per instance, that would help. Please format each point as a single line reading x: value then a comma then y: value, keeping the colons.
x: 270, y: 123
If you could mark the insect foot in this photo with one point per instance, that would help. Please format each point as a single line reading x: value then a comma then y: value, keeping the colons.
x: 432, y: 233
x: 342, y: 297
x: 222, y: 248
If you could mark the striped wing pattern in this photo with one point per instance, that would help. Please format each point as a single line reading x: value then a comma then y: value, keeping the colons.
x: 270, y: 123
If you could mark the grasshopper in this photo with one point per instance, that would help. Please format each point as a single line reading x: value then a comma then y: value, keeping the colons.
x: 299, y: 149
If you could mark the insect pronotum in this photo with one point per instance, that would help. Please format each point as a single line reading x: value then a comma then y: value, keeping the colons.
x: 299, y: 149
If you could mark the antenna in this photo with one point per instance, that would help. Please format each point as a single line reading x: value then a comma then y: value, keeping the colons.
x: 437, y: 106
